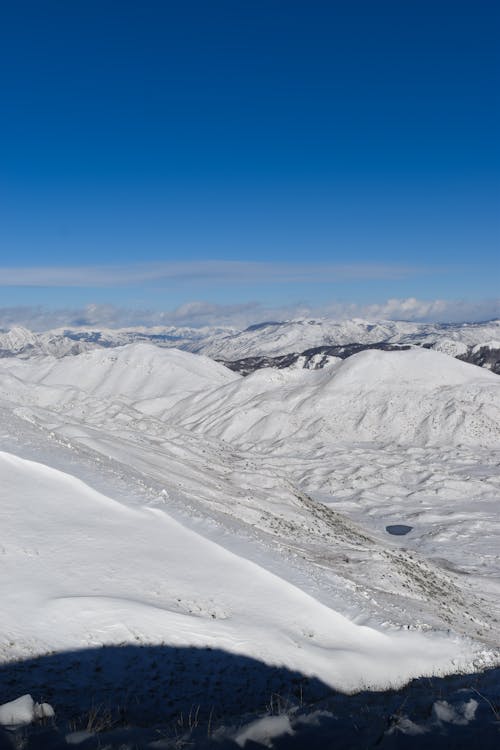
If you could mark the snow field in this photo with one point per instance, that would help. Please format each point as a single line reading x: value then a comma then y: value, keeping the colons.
x: 248, y: 514
x: 86, y: 570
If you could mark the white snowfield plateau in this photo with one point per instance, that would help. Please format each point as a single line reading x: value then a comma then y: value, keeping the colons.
x: 151, y: 495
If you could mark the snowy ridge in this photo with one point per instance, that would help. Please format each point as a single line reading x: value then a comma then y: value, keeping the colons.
x: 62, y: 342
x: 275, y: 339
x: 134, y: 371
x: 23, y: 343
x: 412, y: 397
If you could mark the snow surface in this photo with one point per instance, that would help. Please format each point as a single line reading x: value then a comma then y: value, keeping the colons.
x: 23, y: 710
x: 152, y: 496
x: 81, y: 569
x: 263, y: 731
x: 411, y: 397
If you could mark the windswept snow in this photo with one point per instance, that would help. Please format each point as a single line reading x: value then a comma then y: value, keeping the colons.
x: 153, y: 496
x: 81, y: 569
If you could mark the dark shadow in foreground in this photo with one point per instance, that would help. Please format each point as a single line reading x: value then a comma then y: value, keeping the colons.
x: 164, y: 696
x: 148, y: 686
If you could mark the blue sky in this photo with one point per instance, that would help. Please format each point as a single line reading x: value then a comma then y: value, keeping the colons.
x: 289, y: 155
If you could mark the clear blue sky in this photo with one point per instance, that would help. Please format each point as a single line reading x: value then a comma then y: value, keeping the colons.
x: 354, y: 145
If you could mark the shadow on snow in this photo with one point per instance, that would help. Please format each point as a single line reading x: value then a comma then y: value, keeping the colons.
x: 165, y: 696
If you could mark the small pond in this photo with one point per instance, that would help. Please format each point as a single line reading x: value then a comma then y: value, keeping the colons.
x: 398, y: 529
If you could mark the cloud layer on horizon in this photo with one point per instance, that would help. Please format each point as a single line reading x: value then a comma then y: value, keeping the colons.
x: 239, y: 316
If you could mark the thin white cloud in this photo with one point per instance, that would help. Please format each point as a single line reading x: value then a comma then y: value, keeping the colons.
x: 200, y: 313
x: 209, y: 272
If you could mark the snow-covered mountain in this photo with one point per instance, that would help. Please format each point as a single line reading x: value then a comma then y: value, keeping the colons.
x: 301, y: 343
x: 153, y: 496
x: 134, y: 373
x: 61, y: 342
x: 275, y: 339
x: 313, y: 343
x: 412, y: 397
x: 24, y: 343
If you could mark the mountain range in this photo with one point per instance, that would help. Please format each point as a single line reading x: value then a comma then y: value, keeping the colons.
x: 154, y: 497
x: 303, y: 343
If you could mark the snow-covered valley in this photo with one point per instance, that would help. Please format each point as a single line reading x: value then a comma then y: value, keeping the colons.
x: 152, y: 497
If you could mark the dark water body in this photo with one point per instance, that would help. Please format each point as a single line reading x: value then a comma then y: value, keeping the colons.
x: 135, y: 697
x: 398, y: 529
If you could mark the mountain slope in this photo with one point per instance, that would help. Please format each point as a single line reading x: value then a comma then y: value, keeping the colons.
x: 171, y: 500
x: 275, y: 339
x: 417, y: 396
x: 135, y: 372
x: 63, y: 553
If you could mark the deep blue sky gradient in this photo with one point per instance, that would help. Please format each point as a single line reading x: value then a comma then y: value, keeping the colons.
x: 296, y: 132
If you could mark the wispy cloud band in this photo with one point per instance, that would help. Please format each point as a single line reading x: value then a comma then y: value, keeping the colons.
x: 212, y: 272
